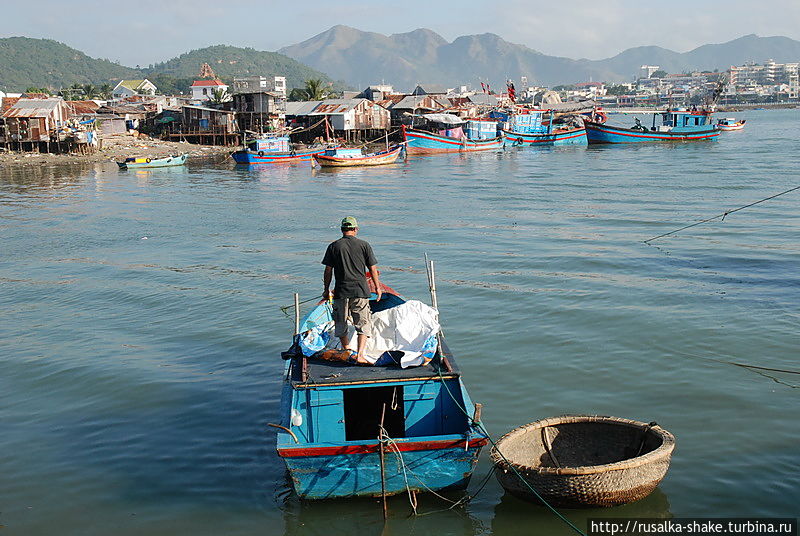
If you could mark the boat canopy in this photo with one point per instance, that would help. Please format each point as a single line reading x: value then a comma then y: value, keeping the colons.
x: 447, y: 119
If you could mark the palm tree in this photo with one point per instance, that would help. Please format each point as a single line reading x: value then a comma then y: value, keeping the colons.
x: 105, y: 91
x: 218, y: 96
x: 316, y: 89
x: 90, y: 91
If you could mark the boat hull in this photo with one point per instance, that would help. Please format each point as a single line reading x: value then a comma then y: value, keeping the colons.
x: 575, y: 136
x: 420, y: 142
x: 160, y: 162
x: 379, y: 159
x: 327, y: 472
x: 730, y: 128
x: 261, y: 157
x: 604, y: 133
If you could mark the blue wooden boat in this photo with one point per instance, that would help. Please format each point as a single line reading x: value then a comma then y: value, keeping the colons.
x: 676, y: 125
x: 331, y: 414
x: 145, y: 162
x: 272, y: 150
x: 424, y: 142
x: 539, y: 128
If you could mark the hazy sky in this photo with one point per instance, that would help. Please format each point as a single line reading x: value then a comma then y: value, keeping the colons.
x: 149, y: 31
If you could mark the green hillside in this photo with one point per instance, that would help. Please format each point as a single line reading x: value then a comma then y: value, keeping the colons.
x: 26, y: 62
x: 228, y: 62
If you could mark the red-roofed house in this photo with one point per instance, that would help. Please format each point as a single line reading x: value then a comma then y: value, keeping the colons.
x: 204, y: 89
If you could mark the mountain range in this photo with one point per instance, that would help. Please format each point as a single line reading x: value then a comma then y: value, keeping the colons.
x: 360, y: 58
x: 423, y: 56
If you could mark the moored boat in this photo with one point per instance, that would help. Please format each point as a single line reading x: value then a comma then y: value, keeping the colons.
x: 406, y: 423
x: 274, y: 149
x: 480, y: 135
x: 146, y: 162
x: 729, y: 124
x: 534, y: 129
x: 676, y: 125
x: 355, y: 157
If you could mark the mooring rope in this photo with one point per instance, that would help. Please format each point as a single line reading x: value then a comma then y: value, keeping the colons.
x: 521, y: 478
x: 721, y: 215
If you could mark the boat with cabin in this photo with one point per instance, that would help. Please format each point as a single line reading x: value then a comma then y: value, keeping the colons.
x: 404, y: 423
x: 274, y: 149
x: 729, y: 124
x: 448, y: 133
x: 341, y: 157
x: 675, y: 125
x: 144, y: 162
x: 535, y: 127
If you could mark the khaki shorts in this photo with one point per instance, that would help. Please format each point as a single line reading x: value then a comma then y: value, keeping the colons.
x: 357, y: 310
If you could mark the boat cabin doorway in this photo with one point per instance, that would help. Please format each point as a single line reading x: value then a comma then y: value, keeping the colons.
x: 363, y: 408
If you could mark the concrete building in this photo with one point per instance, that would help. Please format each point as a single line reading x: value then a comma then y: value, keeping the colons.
x: 203, y: 90
x: 251, y: 84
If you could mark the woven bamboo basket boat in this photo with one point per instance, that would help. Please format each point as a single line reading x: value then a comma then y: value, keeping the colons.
x: 583, y: 461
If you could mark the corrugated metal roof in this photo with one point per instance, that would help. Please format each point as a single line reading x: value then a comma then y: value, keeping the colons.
x: 301, y: 107
x: 84, y: 107
x: 337, y: 106
x: 420, y: 101
x: 33, y: 108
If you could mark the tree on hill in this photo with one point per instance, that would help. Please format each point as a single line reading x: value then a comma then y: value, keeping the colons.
x: 659, y: 74
x: 617, y: 90
x: 34, y: 89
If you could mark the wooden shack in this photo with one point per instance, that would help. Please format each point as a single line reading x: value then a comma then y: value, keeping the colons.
x: 259, y: 110
x: 209, y: 126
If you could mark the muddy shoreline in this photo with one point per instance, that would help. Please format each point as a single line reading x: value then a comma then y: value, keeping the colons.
x: 117, y: 148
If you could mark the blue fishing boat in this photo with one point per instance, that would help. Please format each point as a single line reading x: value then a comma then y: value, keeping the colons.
x: 455, y: 136
x: 676, y: 125
x: 405, y: 423
x: 274, y: 149
x: 542, y: 128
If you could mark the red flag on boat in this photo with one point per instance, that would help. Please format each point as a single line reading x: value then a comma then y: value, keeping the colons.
x: 512, y: 92
x: 483, y: 87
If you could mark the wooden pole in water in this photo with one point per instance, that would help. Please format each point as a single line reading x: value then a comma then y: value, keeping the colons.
x: 383, y: 469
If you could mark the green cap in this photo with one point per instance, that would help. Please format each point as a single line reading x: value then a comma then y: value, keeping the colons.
x: 349, y: 223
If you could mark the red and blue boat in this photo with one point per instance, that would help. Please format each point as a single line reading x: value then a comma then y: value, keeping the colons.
x: 274, y: 150
x: 676, y: 125
x: 350, y: 430
x: 480, y: 135
x: 539, y: 128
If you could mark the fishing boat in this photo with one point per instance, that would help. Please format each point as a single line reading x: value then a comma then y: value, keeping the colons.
x: 676, y: 125
x: 274, y: 149
x: 543, y: 128
x: 405, y: 423
x: 729, y: 124
x: 145, y: 162
x: 480, y: 135
x: 354, y: 157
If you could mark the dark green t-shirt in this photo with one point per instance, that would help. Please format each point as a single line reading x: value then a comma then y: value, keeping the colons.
x: 350, y: 259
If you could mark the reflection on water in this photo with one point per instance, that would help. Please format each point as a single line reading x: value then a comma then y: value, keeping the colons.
x: 141, y: 326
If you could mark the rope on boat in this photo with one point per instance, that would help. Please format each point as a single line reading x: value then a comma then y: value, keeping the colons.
x: 522, y: 479
x: 377, y: 139
x: 721, y: 215
x: 285, y: 308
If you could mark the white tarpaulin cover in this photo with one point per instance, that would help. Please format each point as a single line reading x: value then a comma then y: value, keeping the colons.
x: 447, y: 119
x: 410, y: 327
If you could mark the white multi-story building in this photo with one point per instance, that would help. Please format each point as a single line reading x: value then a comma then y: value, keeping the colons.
x: 251, y: 84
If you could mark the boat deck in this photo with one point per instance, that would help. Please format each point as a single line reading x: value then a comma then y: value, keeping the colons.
x: 328, y: 373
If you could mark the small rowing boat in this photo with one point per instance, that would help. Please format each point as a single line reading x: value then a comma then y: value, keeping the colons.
x: 355, y: 157
x: 729, y: 124
x: 145, y: 162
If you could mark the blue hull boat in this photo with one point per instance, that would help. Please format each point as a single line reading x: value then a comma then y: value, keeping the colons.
x: 677, y: 125
x: 332, y: 414
x: 262, y: 157
x: 569, y: 136
x: 422, y: 142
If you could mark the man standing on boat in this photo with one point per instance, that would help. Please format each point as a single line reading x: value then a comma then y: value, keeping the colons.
x: 348, y: 259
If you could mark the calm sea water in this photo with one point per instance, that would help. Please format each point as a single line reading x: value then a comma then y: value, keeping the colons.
x: 141, y: 326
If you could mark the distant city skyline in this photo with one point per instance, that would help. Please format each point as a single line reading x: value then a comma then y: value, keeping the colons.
x: 153, y: 31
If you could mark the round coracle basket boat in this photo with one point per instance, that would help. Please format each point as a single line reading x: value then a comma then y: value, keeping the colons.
x: 583, y: 461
